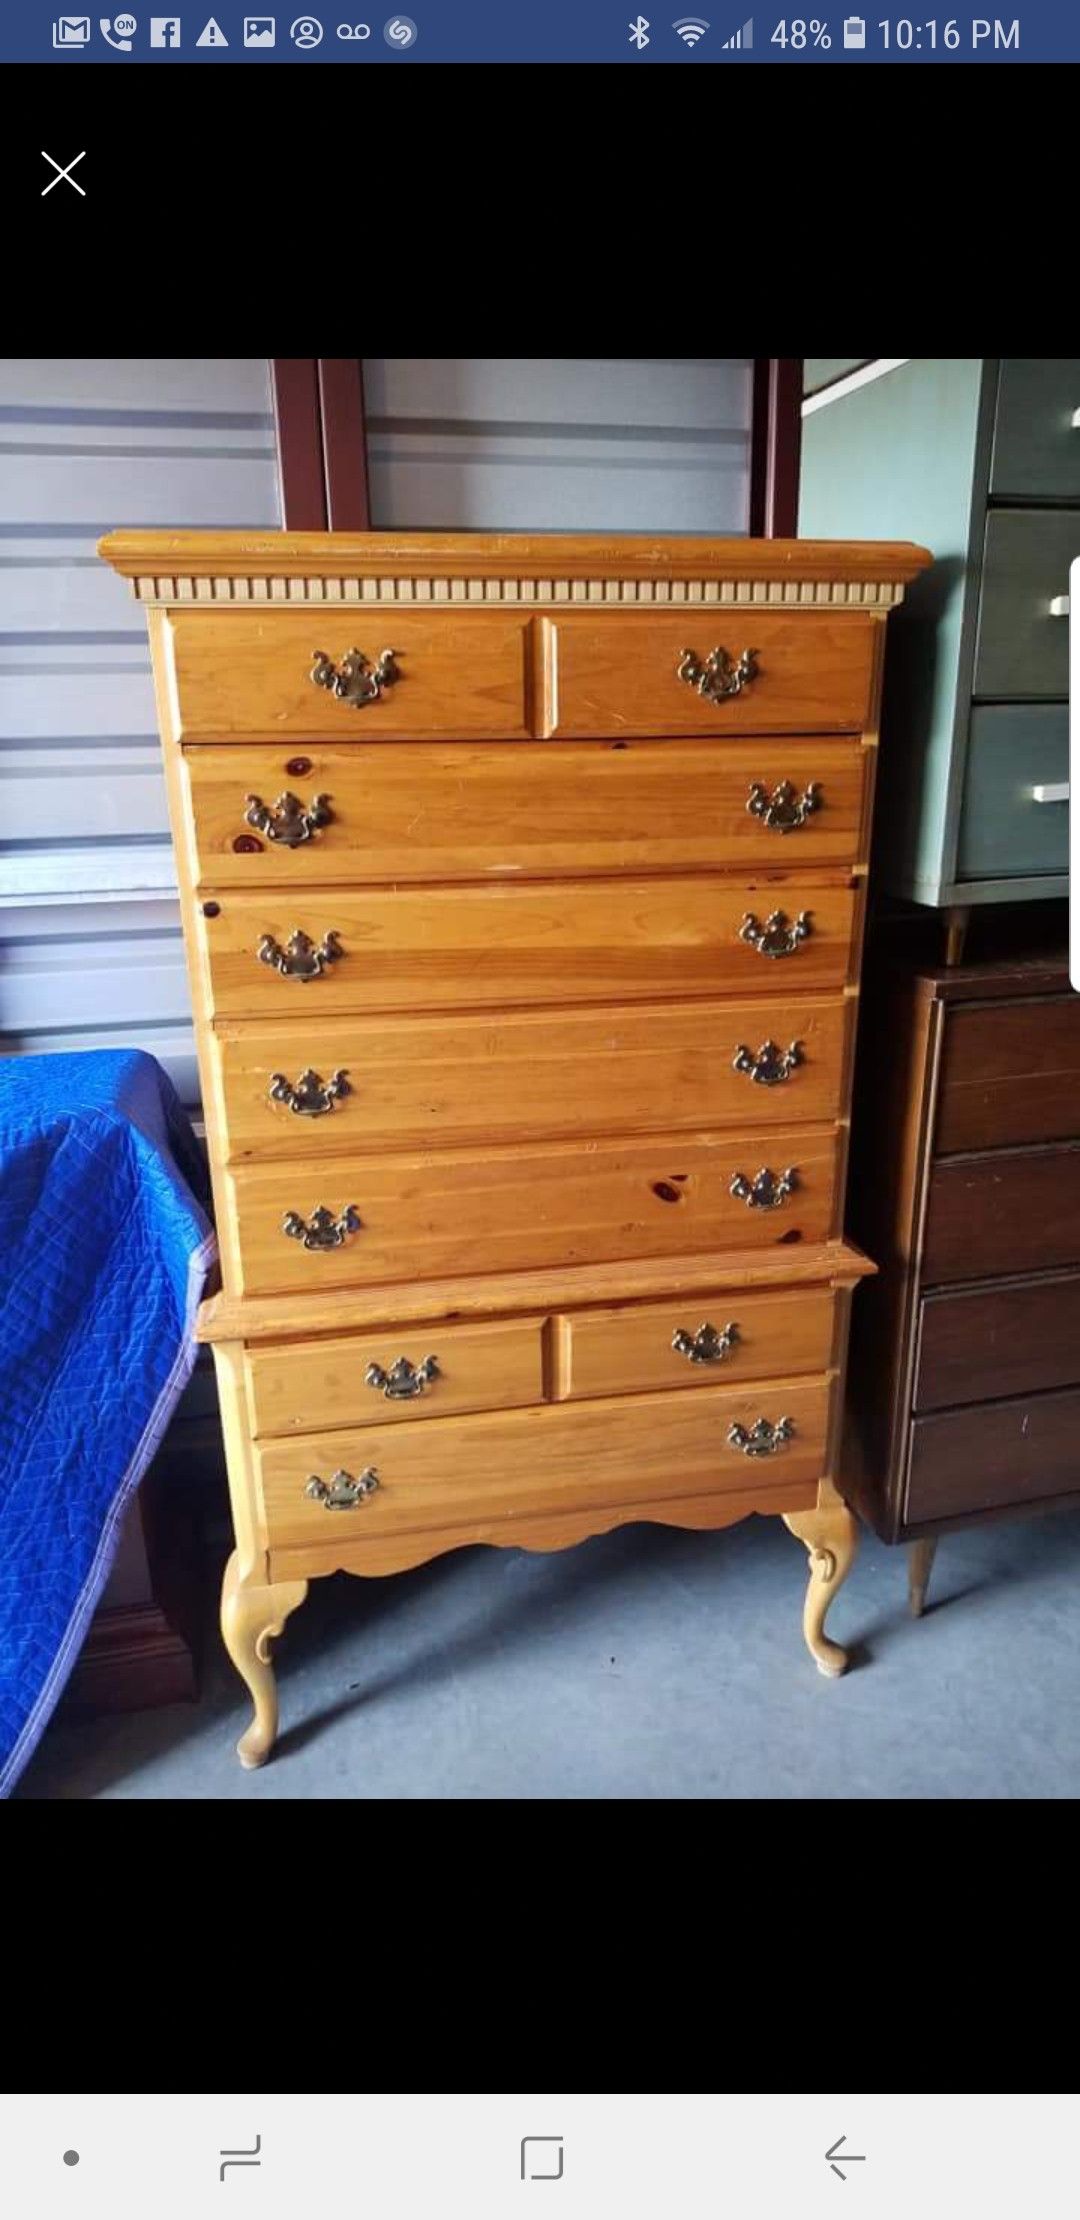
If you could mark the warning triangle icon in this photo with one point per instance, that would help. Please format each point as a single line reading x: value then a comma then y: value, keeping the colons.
x: 212, y: 36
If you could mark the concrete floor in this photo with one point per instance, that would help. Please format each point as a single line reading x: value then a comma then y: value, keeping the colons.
x: 645, y: 1663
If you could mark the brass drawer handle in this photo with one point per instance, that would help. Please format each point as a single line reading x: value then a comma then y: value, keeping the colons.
x: 286, y: 820
x: 762, y: 1439
x: 341, y: 1492
x: 322, y: 1230
x: 311, y: 1097
x: 718, y: 678
x: 767, y: 1190
x: 783, y: 810
x: 771, y: 1066
x: 776, y: 937
x: 404, y: 1380
x: 706, y: 1346
x: 355, y: 680
x: 300, y: 958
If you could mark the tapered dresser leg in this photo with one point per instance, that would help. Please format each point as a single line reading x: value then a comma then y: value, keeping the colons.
x: 251, y: 1616
x: 920, y: 1561
x: 831, y: 1536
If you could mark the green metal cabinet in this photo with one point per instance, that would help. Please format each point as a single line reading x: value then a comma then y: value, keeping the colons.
x: 979, y: 461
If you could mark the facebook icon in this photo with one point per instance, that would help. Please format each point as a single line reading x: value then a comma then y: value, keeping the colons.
x: 164, y: 30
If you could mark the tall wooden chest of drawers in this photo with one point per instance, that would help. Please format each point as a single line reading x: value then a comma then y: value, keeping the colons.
x: 522, y: 883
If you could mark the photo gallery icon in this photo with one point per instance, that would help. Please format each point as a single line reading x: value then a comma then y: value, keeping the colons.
x: 260, y: 30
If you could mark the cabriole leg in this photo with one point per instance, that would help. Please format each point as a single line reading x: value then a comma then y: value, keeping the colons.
x: 831, y: 1536
x: 251, y: 1616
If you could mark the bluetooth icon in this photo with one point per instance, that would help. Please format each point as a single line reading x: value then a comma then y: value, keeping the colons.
x: 639, y: 33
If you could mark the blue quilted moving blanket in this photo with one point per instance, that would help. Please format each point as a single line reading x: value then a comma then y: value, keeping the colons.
x: 105, y: 1245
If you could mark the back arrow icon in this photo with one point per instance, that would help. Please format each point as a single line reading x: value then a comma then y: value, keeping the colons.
x: 847, y: 2158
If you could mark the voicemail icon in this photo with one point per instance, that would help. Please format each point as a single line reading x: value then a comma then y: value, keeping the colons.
x: 71, y: 30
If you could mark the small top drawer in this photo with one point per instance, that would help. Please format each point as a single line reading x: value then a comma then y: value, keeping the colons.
x: 1022, y: 653
x: 376, y: 1379
x: 1037, y: 429
x: 687, y: 1344
x: 232, y: 673
x: 711, y: 670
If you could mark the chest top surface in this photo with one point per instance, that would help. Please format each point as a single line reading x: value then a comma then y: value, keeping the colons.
x: 486, y: 567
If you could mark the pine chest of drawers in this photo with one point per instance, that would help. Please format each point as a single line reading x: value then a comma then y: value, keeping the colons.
x: 522, y: 886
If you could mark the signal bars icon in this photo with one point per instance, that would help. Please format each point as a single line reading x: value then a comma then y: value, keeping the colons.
x: 690, y: 28
x: 743, y: 38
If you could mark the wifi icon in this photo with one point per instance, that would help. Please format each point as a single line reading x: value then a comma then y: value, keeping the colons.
x: 690, y: 28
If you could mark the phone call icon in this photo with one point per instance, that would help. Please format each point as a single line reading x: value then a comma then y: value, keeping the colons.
x: 118, y: 31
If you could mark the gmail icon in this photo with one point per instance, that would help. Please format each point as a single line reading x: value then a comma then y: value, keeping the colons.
x: 71, y: 30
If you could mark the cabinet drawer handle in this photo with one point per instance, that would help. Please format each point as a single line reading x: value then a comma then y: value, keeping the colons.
x: 771, y: 1065
x: 404, y: 1380
x: 355, y: 679
x: 777, y: 937
x: 706, y: 1346
x: 1058, y: 792
x: 767, y: 1190
x: 762, y: 1439
x: 286, y: 820
x: 300, y: 958
x: 341, y: 1492
x: 783, y: 810
x: 311, y: 1097
x: 1059, y: 606
x: 718, y: 678
x: 322, y: 1230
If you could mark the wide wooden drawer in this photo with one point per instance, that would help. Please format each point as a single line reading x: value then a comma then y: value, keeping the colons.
x: 994, y: 1455
x: 420, y: 1372
x: 453, y: 812
x: 404, y: 1082
x: 481, y: 1472
x: 615, y: 940
x: 1014, y: 1338
x: 1036, y: 438
x: 243, y: 671
x: 1014, y: 819
x: 568, y: 1202
x: 1010, y: 1074
x: 988, y: 1215
x: 1022, y: 652
x: 713, y: 1340
x: 620, y: 675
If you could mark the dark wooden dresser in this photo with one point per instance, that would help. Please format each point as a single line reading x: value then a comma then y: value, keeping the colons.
x: 964, y: 1384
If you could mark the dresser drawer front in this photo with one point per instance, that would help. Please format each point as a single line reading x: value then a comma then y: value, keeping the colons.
x: 433, y: 1217
x: 989, y: 1215
x: 483, y: 1471
x: 993, y: 1456
x: 409, y: 1082
x: 1036, y: 440
x: 1023, y: 650
x: 1016, y: 1338
x: 241, y: 671
x: 447, y: 1369
x: 1006, y: 829
x: 1010, y: 1074
x: 484, y: 947
x: 451, y: 812
x: 620, y: 674
x: 626, y: 1351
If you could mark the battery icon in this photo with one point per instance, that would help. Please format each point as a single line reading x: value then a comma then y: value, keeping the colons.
x: 854, y: 30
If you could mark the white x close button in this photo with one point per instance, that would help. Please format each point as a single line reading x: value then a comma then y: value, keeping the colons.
x: 63, y: 175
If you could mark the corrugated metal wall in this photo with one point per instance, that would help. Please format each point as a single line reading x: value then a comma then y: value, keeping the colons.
x: 92, y: 954
x: 623, y: 445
